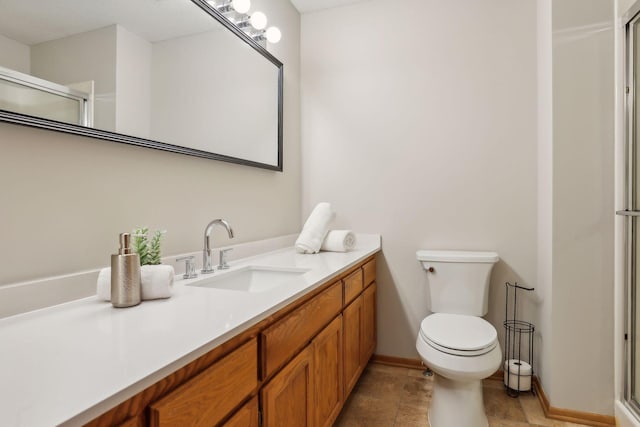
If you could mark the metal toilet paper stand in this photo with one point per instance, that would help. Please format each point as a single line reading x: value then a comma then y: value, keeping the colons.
x: 518, y: 352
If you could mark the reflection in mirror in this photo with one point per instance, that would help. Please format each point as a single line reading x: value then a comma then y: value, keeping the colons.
x: 25, y: 94
x: 158, y: 73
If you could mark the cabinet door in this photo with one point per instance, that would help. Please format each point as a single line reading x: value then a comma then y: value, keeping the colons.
x: 287, y: 401
x: 133, y: 422
x: 247, y: 416
x: 327, y: 360
x: 352, y: 318
x: 368, y: 323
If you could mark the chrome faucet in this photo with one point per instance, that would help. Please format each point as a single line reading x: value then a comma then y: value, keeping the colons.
x: 206, y: 252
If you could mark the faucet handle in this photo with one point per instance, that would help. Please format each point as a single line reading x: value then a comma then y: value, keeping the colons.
x: 189, y: 267
x: 223, y: 259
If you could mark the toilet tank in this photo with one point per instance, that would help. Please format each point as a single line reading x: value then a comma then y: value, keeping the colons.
x: 458, y: 280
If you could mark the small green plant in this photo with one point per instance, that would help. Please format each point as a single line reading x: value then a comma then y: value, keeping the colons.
x: 148, y: 250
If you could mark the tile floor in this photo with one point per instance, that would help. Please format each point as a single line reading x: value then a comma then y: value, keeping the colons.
x: 387, y: 396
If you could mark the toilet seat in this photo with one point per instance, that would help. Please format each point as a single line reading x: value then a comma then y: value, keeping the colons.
x: 458, y: 334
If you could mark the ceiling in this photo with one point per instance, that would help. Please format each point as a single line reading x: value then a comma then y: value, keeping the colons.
x: 36, y: 21
x: 305, y: 6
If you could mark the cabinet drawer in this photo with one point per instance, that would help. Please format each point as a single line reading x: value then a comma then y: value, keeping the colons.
x: 352, y: 286
x: 282, y: 339
x: 369, y: 270
x: 208, y: 397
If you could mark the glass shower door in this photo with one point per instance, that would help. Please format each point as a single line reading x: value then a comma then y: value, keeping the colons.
x: 36, y: 102
x: 25, y: 94
x: 632, y: 374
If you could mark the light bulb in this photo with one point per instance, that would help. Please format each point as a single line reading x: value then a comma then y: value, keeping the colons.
x: 241, y: 6
x: 258, y: 20
x: 273, y: 35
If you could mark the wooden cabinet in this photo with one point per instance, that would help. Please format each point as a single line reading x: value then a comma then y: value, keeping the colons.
x: 295, y: 368
x: 247, y: 416
x: 352, y: 285
x: 359, y: 326
x: 327, y: 359
x: 369, y: 272
x: 287, y: 401
x: 352, y: 327
x: 281, y: 340
x: 308, y: 391
x: 134, y: 422
x: 368, y: 334
x: 339, y: 353
x: 209, y: 397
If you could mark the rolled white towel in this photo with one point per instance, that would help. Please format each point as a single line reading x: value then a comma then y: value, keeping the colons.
x: 103, y: 288
x: 315, y: 229
x: 339, y: 241
x: 156, y: 282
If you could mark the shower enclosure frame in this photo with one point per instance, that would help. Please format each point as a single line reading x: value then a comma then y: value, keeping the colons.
x: 631, y: 382
x: 85, y: 103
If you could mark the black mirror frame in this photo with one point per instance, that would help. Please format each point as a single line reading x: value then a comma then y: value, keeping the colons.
x: 21, y: 119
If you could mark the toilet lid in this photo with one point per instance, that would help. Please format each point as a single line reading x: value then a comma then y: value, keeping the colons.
x: 459, y: 334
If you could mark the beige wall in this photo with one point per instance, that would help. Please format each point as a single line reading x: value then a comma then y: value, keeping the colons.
x: 488, y: 134
x: 15, y: 56
x: 544, y: 288
x: 421, y: 126
x: 65, y: 198
x: 583, y: 206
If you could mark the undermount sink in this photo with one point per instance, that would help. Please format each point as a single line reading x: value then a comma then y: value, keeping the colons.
x: 252, y: 279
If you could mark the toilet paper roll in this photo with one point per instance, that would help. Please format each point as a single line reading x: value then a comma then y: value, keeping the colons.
x: 515, y: 370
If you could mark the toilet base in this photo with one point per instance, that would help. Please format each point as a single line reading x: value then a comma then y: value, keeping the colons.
x: 457, y: 403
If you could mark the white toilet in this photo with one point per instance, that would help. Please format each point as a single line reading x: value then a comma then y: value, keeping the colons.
x: 458, y: 345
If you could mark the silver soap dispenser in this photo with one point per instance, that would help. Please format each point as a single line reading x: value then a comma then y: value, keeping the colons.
x: 125, y: 275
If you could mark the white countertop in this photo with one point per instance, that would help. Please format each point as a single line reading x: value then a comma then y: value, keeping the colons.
x: 70, y: 363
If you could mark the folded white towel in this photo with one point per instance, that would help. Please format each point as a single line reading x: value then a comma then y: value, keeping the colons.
x: 315, y: 229
x: 156, y: 282
x: 339, y: 241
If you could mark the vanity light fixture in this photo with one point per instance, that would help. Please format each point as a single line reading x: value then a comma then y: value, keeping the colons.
x: 243, y: 23
x: 236, y: 11
x: 273, y: 34
x: 228, y: 7
x: 259, y: 20
x: 241, y: 6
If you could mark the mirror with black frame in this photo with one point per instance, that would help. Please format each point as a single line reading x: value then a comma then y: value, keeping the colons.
x: 165, y: 74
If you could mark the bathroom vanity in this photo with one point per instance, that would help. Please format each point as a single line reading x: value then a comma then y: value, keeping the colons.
x: 288, y: 354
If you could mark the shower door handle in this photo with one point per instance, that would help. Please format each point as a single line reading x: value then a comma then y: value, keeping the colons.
x: 628, y: 213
